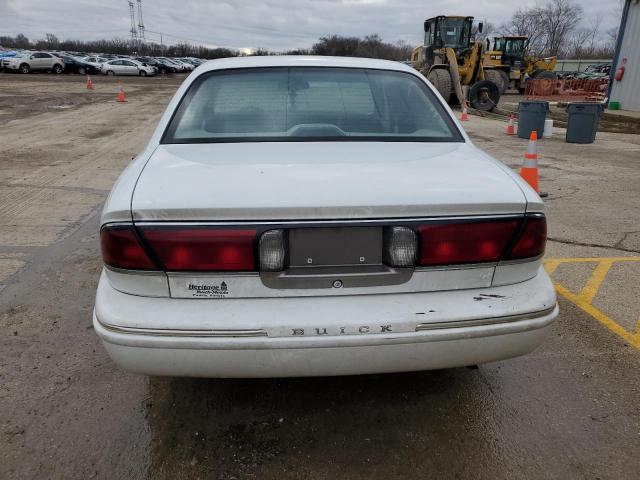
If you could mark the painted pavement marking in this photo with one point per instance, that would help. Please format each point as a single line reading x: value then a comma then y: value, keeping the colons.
x: 584, y: 299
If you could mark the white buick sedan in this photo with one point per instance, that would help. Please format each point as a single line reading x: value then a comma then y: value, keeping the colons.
x: 298, y: 216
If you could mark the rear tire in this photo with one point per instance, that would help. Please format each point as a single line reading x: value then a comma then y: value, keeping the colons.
x: 506, y: 80
x: 484, y: 95
x: 538, y: 74
x: 24, y: 68
x: 441, y: 79
x: 495, y: 77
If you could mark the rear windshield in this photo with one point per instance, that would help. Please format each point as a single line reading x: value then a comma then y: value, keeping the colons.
x: 309, y: 104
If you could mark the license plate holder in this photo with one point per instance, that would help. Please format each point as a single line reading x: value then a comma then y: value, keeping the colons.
x: 335, y: 246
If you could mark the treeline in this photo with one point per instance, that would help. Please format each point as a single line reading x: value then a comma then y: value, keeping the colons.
x: 371, y: 46
x: 559, y: 28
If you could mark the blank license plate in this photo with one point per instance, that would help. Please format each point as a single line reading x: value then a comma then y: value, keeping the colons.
x: 335, y: 246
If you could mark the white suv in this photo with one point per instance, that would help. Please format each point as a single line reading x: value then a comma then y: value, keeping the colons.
x: 32, y: 61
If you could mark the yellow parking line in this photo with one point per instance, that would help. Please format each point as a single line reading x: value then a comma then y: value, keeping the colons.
x: 590, y: 290
x: 584, y: 299
x: 550, y: 266
x: 633, y: 339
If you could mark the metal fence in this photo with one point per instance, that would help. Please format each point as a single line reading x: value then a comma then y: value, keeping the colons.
x: 571, y: 65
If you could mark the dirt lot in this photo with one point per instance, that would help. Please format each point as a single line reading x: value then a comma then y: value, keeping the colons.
x: 569, y: 410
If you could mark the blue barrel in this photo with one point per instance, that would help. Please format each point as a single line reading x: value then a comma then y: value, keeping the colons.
x: 531, y: 116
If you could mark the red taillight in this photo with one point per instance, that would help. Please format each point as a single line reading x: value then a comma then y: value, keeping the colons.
x: 473, y: 242
x: 121, y: 249
x: 201, y: 248
x: 533, y: 239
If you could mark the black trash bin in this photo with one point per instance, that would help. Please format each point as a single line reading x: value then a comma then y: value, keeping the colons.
x: 531, y: 116
x: 582, y: 124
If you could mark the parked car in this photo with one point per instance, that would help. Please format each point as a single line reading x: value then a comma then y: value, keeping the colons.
x: 160, y: 67
x: 296, y: 216
x: 34, y: 61
x: 127, y: 67
x: 165, y: 66
x: 96, y: 61
x: 189, y: 62
x: 177, y: 65
x: 188, y: 66
x: 77, y: 65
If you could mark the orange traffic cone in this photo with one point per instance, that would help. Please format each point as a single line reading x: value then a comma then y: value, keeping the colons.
x: 529, y: 171
x: 511, y: 128
x: 465, y: 115
x: 121, y: 97
x: 89, y: 83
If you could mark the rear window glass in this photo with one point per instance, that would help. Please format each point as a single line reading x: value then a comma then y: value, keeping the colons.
x: 305, y: 103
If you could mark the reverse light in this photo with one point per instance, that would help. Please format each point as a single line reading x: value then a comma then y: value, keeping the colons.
x: 272, y: 251
x: 121, y: 248
x: 400, y: 247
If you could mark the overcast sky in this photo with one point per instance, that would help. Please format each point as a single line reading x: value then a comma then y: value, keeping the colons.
x: 271, y: 24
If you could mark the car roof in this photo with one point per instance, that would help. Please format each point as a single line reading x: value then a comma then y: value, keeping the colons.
x: 302, y: 61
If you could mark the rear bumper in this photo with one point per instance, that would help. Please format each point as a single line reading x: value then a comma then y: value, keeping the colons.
x: 257, y: 337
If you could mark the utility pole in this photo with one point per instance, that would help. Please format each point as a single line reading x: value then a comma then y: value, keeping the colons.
x: 140, y: 21
x: 133, y: 31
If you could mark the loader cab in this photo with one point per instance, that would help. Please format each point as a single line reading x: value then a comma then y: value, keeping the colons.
x: 512, y: 49
x: 447, y: 32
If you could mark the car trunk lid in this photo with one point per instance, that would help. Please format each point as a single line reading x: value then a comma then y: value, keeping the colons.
x: 266, y: 181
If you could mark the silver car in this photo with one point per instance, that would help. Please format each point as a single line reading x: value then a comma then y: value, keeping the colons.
x: 127, y: 66
x: 297, y: 216
x: 34, y: 61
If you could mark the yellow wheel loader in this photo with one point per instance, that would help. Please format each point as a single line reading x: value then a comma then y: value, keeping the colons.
x: 511, y: 62
x: 451, y: 60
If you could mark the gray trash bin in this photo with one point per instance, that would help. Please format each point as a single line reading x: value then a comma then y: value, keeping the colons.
x: 582, y: 124
x: 531, y: 116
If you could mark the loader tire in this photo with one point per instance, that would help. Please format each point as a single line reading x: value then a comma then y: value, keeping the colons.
x: 484, y: 95
x: 506, y: 79
x: 496, y: 77
x: 538, y: 74
x: 441, y: 79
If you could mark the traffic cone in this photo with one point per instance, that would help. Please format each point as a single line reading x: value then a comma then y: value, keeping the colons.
x: 121, y: 97
x: 465, y: 115
x: 89, y: 83
x: 511, y: 128
x: 529, y: 170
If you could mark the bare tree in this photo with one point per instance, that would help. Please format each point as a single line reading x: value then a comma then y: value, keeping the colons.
x: 528, y: 23
x: 559, y: 18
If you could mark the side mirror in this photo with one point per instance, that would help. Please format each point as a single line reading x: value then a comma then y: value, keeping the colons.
x: 480, y: 27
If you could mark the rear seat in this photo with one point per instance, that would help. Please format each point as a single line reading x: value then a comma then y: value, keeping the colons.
x: 260, y: 121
